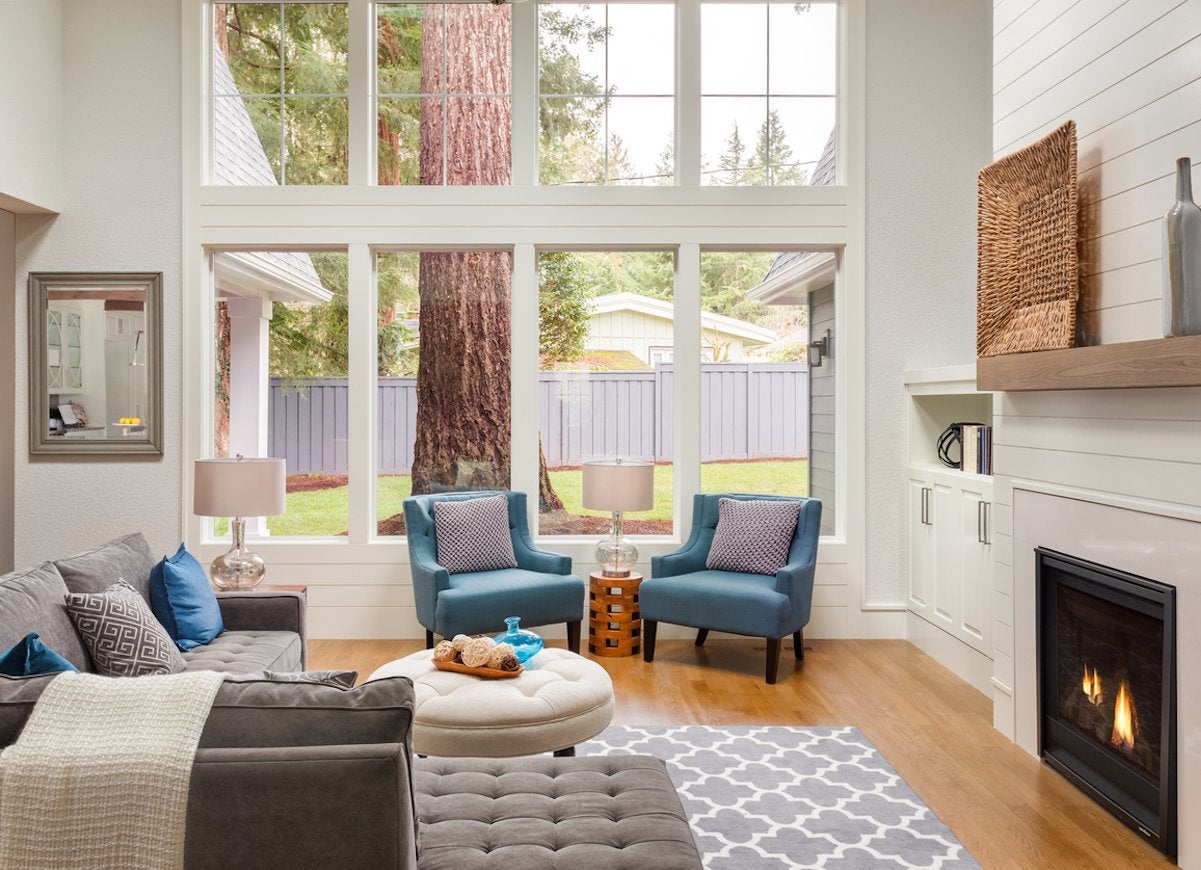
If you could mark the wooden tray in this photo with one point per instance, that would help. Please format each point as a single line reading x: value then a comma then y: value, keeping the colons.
x: 486, y: 673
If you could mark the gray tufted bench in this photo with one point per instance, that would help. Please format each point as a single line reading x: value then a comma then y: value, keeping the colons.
x: 615, y: 812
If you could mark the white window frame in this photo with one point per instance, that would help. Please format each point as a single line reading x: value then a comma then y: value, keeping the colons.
x: 363, y: 580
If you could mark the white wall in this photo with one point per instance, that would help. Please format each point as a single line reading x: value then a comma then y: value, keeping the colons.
x: 121, y: 207
x: 1126, y: 73
x: 30, y: 104
x: 8, y: 361
x: 928, y: 85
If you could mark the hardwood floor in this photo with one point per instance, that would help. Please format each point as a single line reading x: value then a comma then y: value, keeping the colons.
x: 1009, y: 810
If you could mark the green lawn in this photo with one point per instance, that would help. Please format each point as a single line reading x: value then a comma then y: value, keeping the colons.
x: 325, y: 511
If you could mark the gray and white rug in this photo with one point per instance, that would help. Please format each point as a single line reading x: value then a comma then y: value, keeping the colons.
x: 776, y: 798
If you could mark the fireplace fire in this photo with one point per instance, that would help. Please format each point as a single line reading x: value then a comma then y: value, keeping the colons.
x: 1107, y: 700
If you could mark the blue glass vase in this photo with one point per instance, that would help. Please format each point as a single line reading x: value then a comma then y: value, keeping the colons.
x: 526, y: 643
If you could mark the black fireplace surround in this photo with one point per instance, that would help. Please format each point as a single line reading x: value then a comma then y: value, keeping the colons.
x: 1107, y: 689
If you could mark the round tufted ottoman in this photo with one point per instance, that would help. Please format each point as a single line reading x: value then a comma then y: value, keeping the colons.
x: 562, y: 699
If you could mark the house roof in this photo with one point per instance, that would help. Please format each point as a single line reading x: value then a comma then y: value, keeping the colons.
x: 796, y: 274
x: 659, y: 308
x: 239, y: 160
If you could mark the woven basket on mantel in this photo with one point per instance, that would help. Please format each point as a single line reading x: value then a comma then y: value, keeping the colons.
x: 1026, y: 272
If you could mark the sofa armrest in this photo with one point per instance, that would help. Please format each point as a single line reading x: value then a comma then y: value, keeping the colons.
x: 265, y: 610
x: 302, y: 807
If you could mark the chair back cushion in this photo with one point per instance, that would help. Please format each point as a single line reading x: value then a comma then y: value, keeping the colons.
x: 473, y: 535
x: 753, y: 536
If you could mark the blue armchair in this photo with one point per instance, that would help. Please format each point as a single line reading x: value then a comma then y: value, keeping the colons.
x: 682, y: 591
x: 541, y: 589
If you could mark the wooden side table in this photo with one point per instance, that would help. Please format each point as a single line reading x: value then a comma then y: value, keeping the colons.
x: 614, y: 620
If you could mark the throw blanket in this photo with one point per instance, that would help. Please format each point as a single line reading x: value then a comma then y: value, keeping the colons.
x: 99, y: 777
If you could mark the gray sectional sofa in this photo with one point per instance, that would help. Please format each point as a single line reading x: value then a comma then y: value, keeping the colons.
x: 306, y: 775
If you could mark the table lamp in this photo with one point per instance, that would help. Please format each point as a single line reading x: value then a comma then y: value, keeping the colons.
x: 618, y: 486
x: 238, y: 488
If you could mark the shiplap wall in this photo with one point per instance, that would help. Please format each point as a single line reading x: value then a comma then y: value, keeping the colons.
x: 821, y: 407
x: 1128, y: 72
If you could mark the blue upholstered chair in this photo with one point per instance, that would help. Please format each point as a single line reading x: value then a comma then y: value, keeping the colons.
x: 682, y: 591
x: 541, y: 589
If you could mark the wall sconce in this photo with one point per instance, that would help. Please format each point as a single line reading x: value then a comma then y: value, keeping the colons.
x: 820, y: 349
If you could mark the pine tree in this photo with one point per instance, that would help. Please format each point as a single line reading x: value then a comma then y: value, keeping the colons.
x: 774, y: 155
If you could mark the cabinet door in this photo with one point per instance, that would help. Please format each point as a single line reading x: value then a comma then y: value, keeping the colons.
x: 921, y: 546
x: 976, y: 571
x: 947, y: 556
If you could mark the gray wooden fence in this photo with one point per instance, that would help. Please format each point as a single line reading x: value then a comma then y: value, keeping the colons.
x: 748, y: 411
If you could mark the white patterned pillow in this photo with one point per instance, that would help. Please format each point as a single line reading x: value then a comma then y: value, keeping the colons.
x: 752, y: 536
x: 121, y: 634
x: 473, y: 535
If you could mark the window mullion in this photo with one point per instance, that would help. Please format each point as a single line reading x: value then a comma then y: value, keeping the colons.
x: 524, y: 456
x: 687, y: 383
x: 524, y: 101
x: 361, y: 429
x: 361, y: 144
x: 688, y: 93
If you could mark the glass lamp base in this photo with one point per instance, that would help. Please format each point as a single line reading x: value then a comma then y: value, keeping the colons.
x: 237, y: 569
x: 615, y: 555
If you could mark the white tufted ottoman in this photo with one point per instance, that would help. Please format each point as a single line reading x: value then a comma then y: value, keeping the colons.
x: 562, y: 699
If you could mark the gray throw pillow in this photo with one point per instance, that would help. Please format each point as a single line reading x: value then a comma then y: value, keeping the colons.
x: 752, y: 536
x: 473, y: 534
x: 122, y: 635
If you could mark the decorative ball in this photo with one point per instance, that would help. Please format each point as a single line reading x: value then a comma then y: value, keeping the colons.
x: 444, y: 651
x: 460, y: 641
x: 477, y: 653
x: 510, y: 663
x: 499, y: 652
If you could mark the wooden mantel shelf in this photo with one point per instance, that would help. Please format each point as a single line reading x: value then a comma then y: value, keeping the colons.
x: 1162, y: 362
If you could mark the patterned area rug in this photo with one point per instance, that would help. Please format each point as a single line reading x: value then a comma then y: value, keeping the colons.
x: 775, y: 798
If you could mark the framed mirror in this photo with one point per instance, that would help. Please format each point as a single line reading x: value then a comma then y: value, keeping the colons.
x: 95, y: 362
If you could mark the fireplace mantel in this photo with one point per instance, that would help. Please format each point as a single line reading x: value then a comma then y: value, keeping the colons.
x: 1161, y: 362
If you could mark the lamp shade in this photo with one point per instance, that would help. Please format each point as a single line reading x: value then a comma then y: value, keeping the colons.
x: 239, y: 487
x: 617, y: 485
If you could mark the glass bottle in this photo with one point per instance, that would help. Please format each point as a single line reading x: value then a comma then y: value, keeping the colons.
x: 1182, y: 258
x: 526, y: 643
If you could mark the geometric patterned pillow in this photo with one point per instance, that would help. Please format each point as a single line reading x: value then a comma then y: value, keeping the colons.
x: 473, y: 535
x: 752, y: 537
x: 122, y: 635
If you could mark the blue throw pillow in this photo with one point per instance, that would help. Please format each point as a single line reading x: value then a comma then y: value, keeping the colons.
x: 30, y: 657
x: 183, y: 601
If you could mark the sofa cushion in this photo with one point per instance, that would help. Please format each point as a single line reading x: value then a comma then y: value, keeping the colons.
x: 122, y: 635
x: 30, y: 657
x: 32, y: 600
x: 337, y: 679
x: 126, y: 558
x: 240, y: 652
x: 17, y: 697
x: 183, y: 601
x: 272, y: 713
x: 605, y: 812
x: 473, y: 534
x: 752, y: 536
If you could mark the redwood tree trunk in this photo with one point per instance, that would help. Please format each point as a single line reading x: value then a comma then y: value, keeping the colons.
x: 463, y: 380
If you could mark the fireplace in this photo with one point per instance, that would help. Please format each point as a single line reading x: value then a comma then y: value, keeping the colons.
x: 1107, y: 689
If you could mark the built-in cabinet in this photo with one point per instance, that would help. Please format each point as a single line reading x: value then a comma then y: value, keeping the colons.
x: 949, y: 521
x: 64, y: 349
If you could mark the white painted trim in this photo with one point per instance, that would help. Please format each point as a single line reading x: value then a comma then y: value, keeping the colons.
x: 687, y: 339
x: 947, y: 379
x: 254, y: 277
x: 361, y: 141
x: 688, y: 95
x: 523, y: 334
x: 361, y: 411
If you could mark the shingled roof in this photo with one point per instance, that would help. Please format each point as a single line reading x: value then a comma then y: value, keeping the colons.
x: 824, y: 173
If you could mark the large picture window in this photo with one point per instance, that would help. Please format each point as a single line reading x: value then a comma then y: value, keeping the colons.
x: 443, y: 107
x: 280, y: 93
x: 768, y: 91
x: 606, y: 86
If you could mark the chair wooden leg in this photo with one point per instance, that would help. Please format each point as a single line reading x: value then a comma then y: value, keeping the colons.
x: 773, y: 658
x: 649, y: 627
x: 429, y: 639
x: 798, y: 645
x: 701, y: 634
x: 573, y: 636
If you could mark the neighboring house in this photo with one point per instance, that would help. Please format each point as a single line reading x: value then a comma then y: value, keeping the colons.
x: 643, y: 326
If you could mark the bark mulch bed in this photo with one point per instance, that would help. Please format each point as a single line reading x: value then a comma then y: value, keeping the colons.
x: 314, y: 482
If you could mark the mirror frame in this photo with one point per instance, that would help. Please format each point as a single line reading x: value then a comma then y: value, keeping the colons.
x: 40, y: 440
